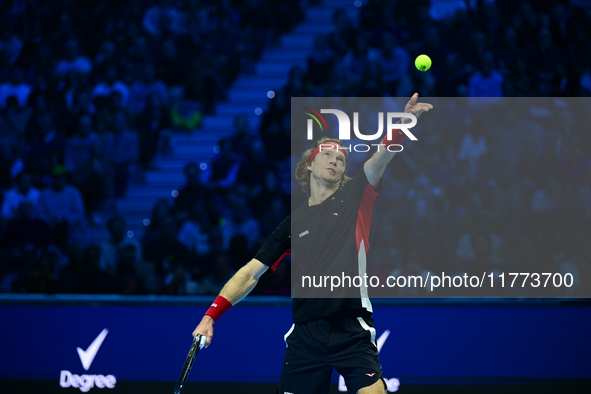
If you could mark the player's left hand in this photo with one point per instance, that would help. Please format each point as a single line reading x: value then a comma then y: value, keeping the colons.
x: 412, y: 107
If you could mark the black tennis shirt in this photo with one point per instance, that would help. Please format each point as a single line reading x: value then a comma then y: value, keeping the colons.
x: 330, y: 238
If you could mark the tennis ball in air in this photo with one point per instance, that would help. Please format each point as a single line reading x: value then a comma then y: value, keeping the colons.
x: 423, y: 62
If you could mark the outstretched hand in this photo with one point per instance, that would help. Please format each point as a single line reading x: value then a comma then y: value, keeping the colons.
x: 412, y: 107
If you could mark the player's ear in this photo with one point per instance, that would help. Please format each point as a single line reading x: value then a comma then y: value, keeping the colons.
x: 309, y: 167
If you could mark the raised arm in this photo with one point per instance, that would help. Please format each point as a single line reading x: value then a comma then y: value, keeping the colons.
x: 238, y: 287
x: 375, y: 166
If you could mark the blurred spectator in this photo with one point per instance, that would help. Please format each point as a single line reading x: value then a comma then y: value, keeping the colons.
x: 424, y: 197
x: 146, y: 86
x: 186, y: 115
x: 413, y: 265
x: 106, y: 56
x: 42, y: 280
x: 543, y: 55
x: 320, y: 61
x: 140, y: 50
x: 10, y: 44
x: 222, y: 272
x: 273, y: 127
x: 240, y: 222
x: 26, y: 236
x: 144, y: 274
x: 80, y: 148
x: 179, y: 282
x: 275, y: 213
x: 122, y: 149
x: 194, y: 190
x: 242, y: 137
x: 393, y: 60
x: 252, y: 172
x: 16, y: 87
x: 371, y: 83
x: 356, y: 58
x: 21, y: 192
x: 93, y: 280
x: 445, y: 173
x: 472, y: 147
x: 223, y: 171
x: 165, y: 252
x: 81, y: 103
x: 487, y: 82
x: 73, y: 61
x: 343, y: 32
x: 160, y: 212
x: 445, y: 9
x: 14, y: 119
x: 108, y: 109
x: 169, y: 65
x: 154, y: 118
x: 453, y: 74
x: 239, y: 252
x: 130, y: 284
x: 575, y: 165
x: 62, y: 205
x: 194, y: 230
x: 11, y: 161
x: 111, y: 84
x: 47, y: 144
x: 586, y: 83
x: 297, y: 84
x: 481, y: 246
x: 110, y: 249
x: 164, y: 19
x: 83, y: 160
x: 229, y: 48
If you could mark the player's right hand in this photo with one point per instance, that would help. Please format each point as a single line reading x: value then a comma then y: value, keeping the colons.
x: 205, y: 328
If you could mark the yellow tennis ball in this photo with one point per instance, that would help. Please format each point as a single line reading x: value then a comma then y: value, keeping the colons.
x: 423, y: 62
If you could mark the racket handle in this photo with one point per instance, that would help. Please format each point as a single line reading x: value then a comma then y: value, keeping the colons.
x: 202, y: 341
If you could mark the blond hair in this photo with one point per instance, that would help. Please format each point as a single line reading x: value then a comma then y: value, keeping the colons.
x: 303, y: 174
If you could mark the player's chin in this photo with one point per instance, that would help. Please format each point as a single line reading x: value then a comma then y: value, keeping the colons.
x: 333, y: 180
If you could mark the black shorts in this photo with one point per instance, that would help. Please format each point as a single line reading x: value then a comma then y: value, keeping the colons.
x: 315, y: 348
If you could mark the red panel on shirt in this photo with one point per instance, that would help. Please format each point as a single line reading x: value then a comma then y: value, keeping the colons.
x: 275, y: 264
x: 364, y: 215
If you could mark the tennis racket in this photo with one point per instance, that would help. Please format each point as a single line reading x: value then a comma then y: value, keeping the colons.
x: 197, y: 345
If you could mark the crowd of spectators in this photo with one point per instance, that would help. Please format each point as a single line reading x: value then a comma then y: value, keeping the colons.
x: 500, y: 188
x: 499, y: 185
x: 478, y: 197
x: 87, y: 94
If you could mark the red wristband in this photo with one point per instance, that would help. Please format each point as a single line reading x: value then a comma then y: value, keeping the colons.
x: 397, y: 138
x: 218, y: 308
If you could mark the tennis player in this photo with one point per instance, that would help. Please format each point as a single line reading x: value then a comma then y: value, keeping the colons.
x: 333, y: 229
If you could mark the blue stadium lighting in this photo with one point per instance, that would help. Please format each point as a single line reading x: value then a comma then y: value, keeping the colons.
x: 203, y: 166
x: 175, y: 193
x: 130, y: 234
x: 270, y: 94
x: 216, y: 149
x: 258, y: 111
x: 358, y: 3
x: 146, y: 222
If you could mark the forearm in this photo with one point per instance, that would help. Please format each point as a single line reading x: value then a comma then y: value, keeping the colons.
x: 240, y: 285
x: 375, y: 166
x: 235, y: 290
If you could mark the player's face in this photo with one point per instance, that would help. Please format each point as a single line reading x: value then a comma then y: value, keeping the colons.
x: 329, y: 164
